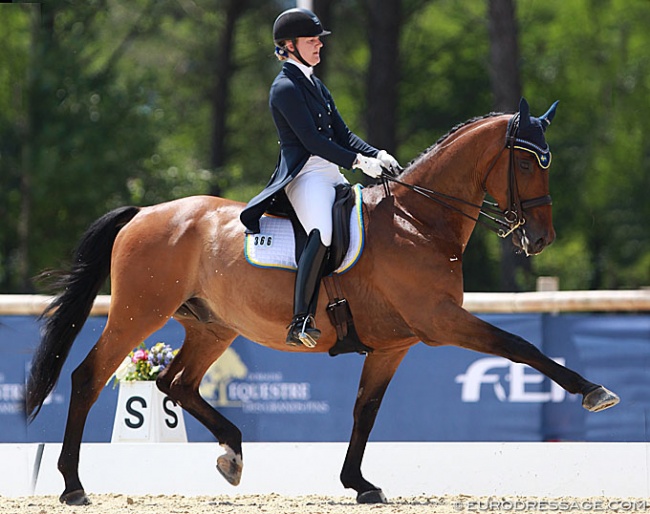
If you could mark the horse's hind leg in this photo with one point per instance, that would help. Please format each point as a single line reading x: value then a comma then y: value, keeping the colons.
x: 461, y: 328
x: 88, y: 380
x: 204, y: 344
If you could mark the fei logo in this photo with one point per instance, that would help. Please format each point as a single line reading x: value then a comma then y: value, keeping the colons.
x: 483, y: 371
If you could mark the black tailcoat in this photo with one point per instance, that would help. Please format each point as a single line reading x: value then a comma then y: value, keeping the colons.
x: 308, y: 124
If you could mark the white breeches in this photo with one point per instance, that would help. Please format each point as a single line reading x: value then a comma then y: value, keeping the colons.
x: 312, y: 195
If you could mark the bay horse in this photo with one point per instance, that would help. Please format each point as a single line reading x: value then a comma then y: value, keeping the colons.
x: 186, y: 256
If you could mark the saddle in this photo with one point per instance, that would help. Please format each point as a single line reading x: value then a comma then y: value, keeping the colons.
x: 281, y: 238
x: 342, y: 255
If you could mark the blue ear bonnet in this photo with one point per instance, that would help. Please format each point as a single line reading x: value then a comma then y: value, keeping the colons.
x: 531, y: 139
x: 529, y: 135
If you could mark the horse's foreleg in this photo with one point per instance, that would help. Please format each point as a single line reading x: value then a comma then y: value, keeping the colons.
x: 456, y: 326
x: 204, y: 344
x: 378, y: 370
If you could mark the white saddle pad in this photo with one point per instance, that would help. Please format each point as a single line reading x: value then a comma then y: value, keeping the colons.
x: 274, y: 246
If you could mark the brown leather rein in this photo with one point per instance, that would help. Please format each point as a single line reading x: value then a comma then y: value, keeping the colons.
x: 502, y: 223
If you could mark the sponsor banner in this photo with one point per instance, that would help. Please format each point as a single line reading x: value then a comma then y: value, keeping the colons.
x: 437, y: 394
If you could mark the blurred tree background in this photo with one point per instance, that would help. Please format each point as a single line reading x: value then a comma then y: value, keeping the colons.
x: 112, y: 102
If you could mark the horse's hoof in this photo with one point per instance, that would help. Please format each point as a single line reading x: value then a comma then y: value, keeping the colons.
x: 77, y: 497
x: 599, y: 399
x: 372, y: 496
x: 230, y: 465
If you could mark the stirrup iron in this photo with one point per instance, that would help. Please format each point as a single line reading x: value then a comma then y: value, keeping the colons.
x: 304, y: 337
x: 298, y: 331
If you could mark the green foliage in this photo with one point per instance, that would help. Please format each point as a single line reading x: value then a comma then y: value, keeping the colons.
x: 444, y: 77
x: 592, y: 55
x: 14, y: 62
x: 252, y: 143
x: 108, y: 102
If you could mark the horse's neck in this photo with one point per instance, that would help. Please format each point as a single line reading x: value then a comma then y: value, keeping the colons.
x: 455, y: 168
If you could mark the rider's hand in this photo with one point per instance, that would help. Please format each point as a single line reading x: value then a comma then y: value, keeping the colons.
x: 369, y: 165
x: 388, y: 161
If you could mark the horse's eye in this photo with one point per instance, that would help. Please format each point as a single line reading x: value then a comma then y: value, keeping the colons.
x: 524, y: 165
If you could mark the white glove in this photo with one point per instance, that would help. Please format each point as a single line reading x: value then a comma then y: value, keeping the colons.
x: 369, y: 165
x: 388, y: 161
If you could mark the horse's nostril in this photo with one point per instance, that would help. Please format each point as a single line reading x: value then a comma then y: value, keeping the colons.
x: 540, y: 244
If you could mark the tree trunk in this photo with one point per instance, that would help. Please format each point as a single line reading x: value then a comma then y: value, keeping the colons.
x: 223, y: 70
x: 504, y: 55
x: 384, y: 21
x: 506, y: 91
x: 323, y: 9
x: 27, y: 128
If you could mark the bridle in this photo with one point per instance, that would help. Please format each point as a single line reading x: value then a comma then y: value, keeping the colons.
x: 502, y: 223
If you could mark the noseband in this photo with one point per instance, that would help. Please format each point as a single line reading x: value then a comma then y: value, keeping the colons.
x: 502, y: 223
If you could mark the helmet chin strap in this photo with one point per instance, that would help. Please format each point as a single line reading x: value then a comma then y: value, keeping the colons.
x: 296, y: 53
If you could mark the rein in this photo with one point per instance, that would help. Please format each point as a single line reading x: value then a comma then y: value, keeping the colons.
x: 503, y: 223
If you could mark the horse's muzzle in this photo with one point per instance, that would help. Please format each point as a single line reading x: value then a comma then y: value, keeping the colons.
x: 532, y: 242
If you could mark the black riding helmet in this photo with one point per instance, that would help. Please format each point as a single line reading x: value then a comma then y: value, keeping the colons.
x: 294, y: 23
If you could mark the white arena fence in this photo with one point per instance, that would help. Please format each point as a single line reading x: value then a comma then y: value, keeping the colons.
x: 544, y: 470
x: 538, y: 301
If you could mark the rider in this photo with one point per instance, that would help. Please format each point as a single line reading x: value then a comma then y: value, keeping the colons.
x: 314, y: 143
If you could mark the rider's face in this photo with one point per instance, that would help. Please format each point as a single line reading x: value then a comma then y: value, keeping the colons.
x: 309, y: 48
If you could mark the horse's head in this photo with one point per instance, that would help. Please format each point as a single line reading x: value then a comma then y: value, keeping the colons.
x: 520, y: 181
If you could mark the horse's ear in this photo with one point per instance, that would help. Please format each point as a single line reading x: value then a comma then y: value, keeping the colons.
x: 548, y: 116
x: 524, y: 113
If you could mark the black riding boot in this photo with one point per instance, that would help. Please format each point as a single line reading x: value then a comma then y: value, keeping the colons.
x: 308, y: 277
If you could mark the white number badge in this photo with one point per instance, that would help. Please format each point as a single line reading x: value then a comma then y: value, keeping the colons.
x: 261, y: 240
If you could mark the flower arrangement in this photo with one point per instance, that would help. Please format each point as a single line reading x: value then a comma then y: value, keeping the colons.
x: 144, y: 363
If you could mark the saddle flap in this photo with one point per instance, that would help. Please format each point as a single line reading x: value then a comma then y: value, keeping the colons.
x: 340, y: 226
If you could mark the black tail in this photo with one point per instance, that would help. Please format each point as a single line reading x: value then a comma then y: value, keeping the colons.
x: 70, y: 308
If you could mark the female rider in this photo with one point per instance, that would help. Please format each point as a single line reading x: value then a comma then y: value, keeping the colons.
x: 314, y: 143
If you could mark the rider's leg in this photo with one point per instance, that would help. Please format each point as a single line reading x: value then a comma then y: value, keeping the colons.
x: 310, y: 269
x: 312, y: 194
